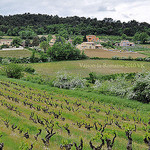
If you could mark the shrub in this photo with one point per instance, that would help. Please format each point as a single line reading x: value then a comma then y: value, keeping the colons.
x: 13, y: 71
x: 139, y: 59
x: 141, y: 88
x: 92, y: 77
x: 147, y: 59
x: 116, y: 84
x: 5, y: 61
x: 29, y: 69
x: 65, y: 81
x: 63, y: 51
x: 115, y: 58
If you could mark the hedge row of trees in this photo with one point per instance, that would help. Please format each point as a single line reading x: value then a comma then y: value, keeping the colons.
x: 44, y: 24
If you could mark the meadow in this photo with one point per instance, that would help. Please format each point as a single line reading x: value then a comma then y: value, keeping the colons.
x: 27, y: 108
x: 16, y: 53
x: 84, y: 67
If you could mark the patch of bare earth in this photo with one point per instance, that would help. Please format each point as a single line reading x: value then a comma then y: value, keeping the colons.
x: 110, y: 53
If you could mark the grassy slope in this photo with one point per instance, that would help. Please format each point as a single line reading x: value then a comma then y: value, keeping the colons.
x: 84, y: 67
x: 12, y: 140
x: 15, y: 53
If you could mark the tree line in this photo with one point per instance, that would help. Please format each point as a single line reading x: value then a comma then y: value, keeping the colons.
x: 14, y: 25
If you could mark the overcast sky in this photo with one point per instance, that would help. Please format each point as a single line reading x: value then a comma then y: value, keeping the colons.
x: 123, y: 10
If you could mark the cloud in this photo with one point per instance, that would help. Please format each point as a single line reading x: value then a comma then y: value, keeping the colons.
x: 104, y: 8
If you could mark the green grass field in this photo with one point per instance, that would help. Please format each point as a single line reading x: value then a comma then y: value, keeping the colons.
x: 84, y: 67
x: 18, y: 99
x: 16, y: 53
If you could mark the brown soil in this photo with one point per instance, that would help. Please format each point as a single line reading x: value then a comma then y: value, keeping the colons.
x: 109, y: 54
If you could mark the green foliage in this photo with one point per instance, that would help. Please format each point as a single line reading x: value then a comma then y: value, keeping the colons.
x: 124, y: 37
x: 16, y: 41
x: 24, y: 146
x: 13, y: 71
x: 4, y: 46
x: 49, y: 37
x: 84, y: 38
x: 63, y: 51
x: 141, y: 87
x: 142, y: 37
x: 27, y: 43
x: 27, y: 34
x: 44, y: 45
x: 63, y: 33
x: 37, y: 79
x: 108, y: 44
x: 29, y: 69
x: 36, y: 41
x: 92, y: 77
x: 5, y: 61
x: 66, y: 81
x: 77, y: 40
x: 1, y: 33
x: 43, y: 38
x: 27, y: 24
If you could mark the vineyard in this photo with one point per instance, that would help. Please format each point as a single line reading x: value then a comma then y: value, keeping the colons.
x: 31, y: 118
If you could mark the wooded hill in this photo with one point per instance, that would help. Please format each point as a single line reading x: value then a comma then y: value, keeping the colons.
x: 48, y: 24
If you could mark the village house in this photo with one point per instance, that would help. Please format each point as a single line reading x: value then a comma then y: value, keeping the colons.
x: 89, y: 45
x: 5, y: 42
x: 125, y: 43
x: 92, y: 38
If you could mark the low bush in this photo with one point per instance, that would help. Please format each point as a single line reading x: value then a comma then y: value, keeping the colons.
x: 13, y: 71
x: 37, y: 79
x: 117, y: 87
x: 147, y: 59
x: 139, y: 59
x: 29, y: 69
x: 65, y: 81
x: 141, y: 88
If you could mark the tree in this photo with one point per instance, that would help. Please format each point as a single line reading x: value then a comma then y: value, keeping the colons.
x: 49, y: 37
x: 77, y: 40
x: 124, y: 37
x: 16, y: 41
x: 43, y: 38
x: 136, y: 36
x: 27, y: 43
x: 44, y: 45
x: 84, y: 38
x: 1, y: 33
x: 63, y: 33
x: 63, y: 51
x: 143, y: 37
x: 27, y: 34
x: 36, y: 41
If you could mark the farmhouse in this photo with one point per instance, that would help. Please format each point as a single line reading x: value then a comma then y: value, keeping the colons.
x: 89, y: 45
x: 5, y: 42
x: 92, y: 38
x: 125, y: 43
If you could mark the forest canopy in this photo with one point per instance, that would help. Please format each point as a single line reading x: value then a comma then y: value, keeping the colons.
x: 14, y: 25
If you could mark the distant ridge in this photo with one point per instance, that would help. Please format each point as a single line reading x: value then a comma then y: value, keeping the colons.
x: 45, y: 24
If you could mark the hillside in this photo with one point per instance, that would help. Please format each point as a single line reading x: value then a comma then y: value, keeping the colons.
x: 48, y: 24
x: 30, y: 111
